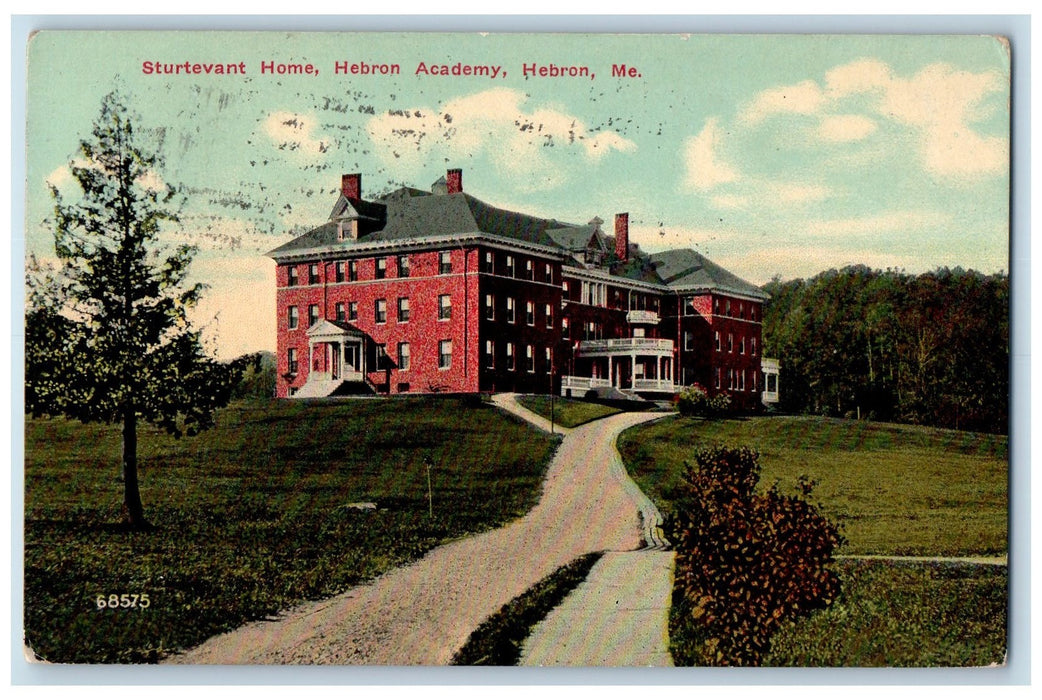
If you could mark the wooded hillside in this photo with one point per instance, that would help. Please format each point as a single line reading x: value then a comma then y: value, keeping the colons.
x: 931, y: 349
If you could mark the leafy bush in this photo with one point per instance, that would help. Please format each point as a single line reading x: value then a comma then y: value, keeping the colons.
x: 695, y: 400
x: 746, y: 561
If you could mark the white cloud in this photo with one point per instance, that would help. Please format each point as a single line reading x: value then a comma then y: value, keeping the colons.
x: 910, y: 222
x: 294, y: 132
x: 704, y: 168
x: 803, y: 98
x: 845, y: 127
x: 939, y: 103
x: 62, y: 176
x: 496, y: 123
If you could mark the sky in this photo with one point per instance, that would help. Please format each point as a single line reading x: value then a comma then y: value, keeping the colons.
x: 773, y: 155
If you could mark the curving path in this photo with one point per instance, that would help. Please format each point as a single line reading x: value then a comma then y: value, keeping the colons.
x: 424, y: 612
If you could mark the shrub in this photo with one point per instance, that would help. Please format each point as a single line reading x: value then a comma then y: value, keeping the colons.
x: 746, y: 561
x: 695, y: 400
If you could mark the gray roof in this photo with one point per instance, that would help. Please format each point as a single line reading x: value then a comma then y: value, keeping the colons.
x: 686, y: 269
x: 409, y: 213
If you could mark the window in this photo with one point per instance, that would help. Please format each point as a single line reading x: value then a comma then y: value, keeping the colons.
x: 510, y: 265
x: 489, y: 263
x: 689, y: 306
x: 730, y: 342
x: 292, y: 318
x: 292, y: 281
x: 530, y: 313
x: 741, y: 310
x: 380, y: 352
x: 380, y: 311
x: 565, y: 330
x: 403, y: 265
x: 490, y: 307
x: 529, y: 270
x: 638, y: 332
x: 340, y: 271
x: 403, y: 356
x: 341, y: 314
x: 510, y: 310
x: 548, y: 275
x: 564, y: 293
x: 352, y: 311
x: 716, y: 341
x: 444, y: 354
x: 530, y: 358
x: 753, y: 380
x: 549, y: 316
x: 717, y: 377
x: 444, y: 307
x: 381, y: 268
x: 716, y: 310
x: 741, y: 380
x: 510, y: 356
x: 752, y: 346
x: 689, y: 340
x: 549, y: 360
x: 741, y: 346
x: 352, y: 270
x: 444, y: 263
x: 312, y: 314
x: 490, y: 354
x: 313, y: 273
x: 727, y: 310
x: 403, y: 309
x: 291, y: 361
x: 772, y: 383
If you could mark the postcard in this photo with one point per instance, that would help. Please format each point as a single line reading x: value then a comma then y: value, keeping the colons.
x: 588, y: 350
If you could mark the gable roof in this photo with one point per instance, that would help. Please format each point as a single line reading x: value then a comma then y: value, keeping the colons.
x: 685, y: 269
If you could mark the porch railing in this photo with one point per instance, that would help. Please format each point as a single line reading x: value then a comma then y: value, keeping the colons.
x: 657, y: 345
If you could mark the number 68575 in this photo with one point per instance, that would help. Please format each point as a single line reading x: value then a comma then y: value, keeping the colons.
x: 123, y: 600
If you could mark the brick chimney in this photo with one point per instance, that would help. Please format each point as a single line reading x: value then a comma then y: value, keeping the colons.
x: 351, y: 185
x: 454, y: 180
x: 622, y: 236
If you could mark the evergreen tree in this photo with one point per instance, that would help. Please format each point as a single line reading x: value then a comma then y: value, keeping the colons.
x: 107, y: 336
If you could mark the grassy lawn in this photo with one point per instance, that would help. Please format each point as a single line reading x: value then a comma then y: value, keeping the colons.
x: 567, y: 413
x: 902, y: 614
x: 253, y: 516
x: 893, y: 489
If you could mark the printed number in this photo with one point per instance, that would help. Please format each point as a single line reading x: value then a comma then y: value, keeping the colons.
x: 123, y: 600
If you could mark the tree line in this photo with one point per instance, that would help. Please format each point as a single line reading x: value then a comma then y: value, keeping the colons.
x: 931, y: 349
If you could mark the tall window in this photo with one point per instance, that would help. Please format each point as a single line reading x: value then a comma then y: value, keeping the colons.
x: 313, y: 273
x: 381, y: 356
x: 730, y: 342
x: 381, y: 268
x: 352, y: 270
x: 689, y: 340
x: 489, y: 262
x: 403, y: 356
x: 752, y: 346
x: 741, y: 345
x: 490, y: 354
x: 510, y: 310
x: 549, y: 310
x: 548, y: 360
x: 530, y: 313
x: 716, y: 341
x: 444, y: 307
x: 510, y: 265
x: 530, y: 358
x: 292, y: 319
x: 566, y: 331
x: 444, y: 263
x: 293, y: 280
x: 403, y: 309
x: 490, y: 307
x: 564, y: 293
x: 340, y: 271
x: 341, y: 313
x: 352, y: 311
x: 380, y: 311
x: 548, y: 275
x: 444, y: 354
x: 291, y: 361
x: 511, y: 360
x: 312, y: 314
x: 403, y: 265
x: 717, y: 377
x: 529, y: 270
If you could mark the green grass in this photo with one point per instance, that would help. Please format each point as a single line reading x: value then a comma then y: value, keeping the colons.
x: 900, y: 614
x: 252, y: 516
x: 498, y: 640
x: 568, y: 413
x: 893, y: 489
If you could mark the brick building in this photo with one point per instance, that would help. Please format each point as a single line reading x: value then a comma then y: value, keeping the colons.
x: 429, y: 291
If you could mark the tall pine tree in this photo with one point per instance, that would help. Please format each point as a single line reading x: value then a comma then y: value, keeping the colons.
x: 107, y: 336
